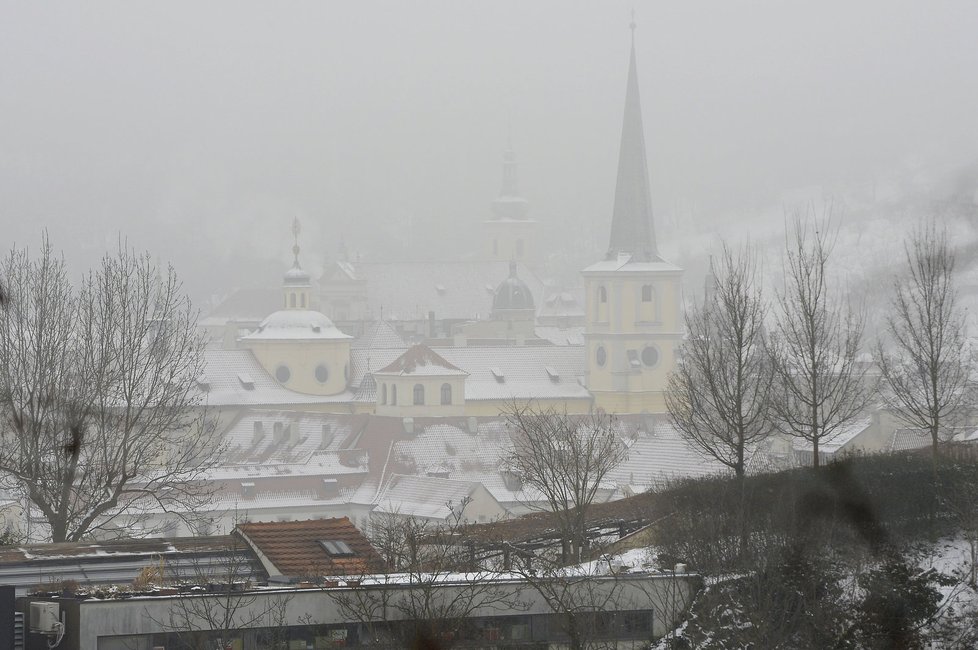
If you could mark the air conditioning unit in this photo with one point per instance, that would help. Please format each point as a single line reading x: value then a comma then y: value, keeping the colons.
x: 45, y: 618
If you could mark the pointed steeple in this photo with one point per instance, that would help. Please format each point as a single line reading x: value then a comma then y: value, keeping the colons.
x: 631, y: 223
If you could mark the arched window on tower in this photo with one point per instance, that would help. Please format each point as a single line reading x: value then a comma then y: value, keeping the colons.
x: 647, y: 311
x: 302, y: 300
x: 383, y: 393
x: 446, y: 394
x: 394, y: 394
x: 602, y: 306
x: 418, y: 395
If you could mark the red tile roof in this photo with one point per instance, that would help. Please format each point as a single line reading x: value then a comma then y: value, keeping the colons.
x: 293, y: 548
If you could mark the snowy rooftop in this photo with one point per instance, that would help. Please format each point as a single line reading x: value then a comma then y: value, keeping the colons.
x: 296, y: 325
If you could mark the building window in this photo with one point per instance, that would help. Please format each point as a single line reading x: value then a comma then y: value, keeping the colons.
x: 646, y: 293
x: 283, y: 374
x: 291, y: 300
x: 602, y: 295
x: 650, y: 356
x: 394, y: 394
x: 446, y: 394
x: 418, y: 395
x: 322, y: 373
x: 601, y: 356
x: 383, y: 393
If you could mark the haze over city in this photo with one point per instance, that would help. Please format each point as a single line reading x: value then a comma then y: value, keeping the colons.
x: 200, y: 132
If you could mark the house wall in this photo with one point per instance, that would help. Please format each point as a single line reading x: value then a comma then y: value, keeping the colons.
x: 302, y: 359
x: 142, y: 621
x: 432, y: 406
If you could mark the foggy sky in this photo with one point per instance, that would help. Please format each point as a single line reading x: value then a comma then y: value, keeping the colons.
x: 199, y: 130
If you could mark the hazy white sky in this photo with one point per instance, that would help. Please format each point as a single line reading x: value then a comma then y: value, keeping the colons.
x: 199, y: 129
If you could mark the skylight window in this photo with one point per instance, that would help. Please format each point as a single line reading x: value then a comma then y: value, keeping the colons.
x: 336, y: 547
x: 246, y: 381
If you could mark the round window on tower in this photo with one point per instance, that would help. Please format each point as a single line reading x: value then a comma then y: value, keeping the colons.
x: 282, y: 373
x: 322, y: 373
x: 601, y: 356
x: 650, y: 356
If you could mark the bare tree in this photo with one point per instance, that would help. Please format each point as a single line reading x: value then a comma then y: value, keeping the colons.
x: 433, y: 587
x: 820, y: 387
x: 927, y: 370
x: 719, y: 396
x: 100, y: 419
x: 218, y: 602
x: 565, y: 458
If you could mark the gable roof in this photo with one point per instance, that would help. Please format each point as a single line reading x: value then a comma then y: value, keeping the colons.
x: 380, y: 335
x: 420, y: 360
x: 293, y: 549
x: 423, y: 496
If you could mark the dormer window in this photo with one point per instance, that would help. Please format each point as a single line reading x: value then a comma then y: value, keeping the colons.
x: 553, y: 374
x: 246, y: 381
x: 498, y: 375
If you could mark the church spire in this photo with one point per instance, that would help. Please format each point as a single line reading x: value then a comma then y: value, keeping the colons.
x: 631, y: 222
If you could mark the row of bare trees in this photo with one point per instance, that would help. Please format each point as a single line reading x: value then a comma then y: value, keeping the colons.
x: 750, y: 368
x: 100, y: 418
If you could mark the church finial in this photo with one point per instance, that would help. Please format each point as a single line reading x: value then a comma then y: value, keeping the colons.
x: 632, y: 27
x: 296, y: 229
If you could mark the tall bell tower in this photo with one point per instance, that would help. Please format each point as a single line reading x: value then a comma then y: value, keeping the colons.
x: 633, y: 296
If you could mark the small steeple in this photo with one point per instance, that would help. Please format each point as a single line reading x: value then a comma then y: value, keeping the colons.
x: 297, y: 282
x: 509, y: 204
x: 632, y: 231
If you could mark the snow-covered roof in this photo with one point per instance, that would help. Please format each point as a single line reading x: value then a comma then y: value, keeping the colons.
x: 522, y: 372
x: 561, y: 335
x: 837, y: 439
x: 422, y: 496
x: 657, y: 452
x: 296, y: 325
x: 380, y: 335
x: 624, y: 264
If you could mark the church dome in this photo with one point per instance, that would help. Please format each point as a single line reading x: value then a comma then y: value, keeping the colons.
x: 512, y: 293
x: 296, y: 324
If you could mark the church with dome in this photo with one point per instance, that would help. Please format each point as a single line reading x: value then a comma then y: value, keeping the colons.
x: 330, y: 391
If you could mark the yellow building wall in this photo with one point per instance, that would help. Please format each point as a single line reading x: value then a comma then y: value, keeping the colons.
x: 432, y: 407
x: 302, y: 359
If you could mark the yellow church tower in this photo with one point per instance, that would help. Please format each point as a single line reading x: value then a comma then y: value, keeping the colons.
x: 633, y: 296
